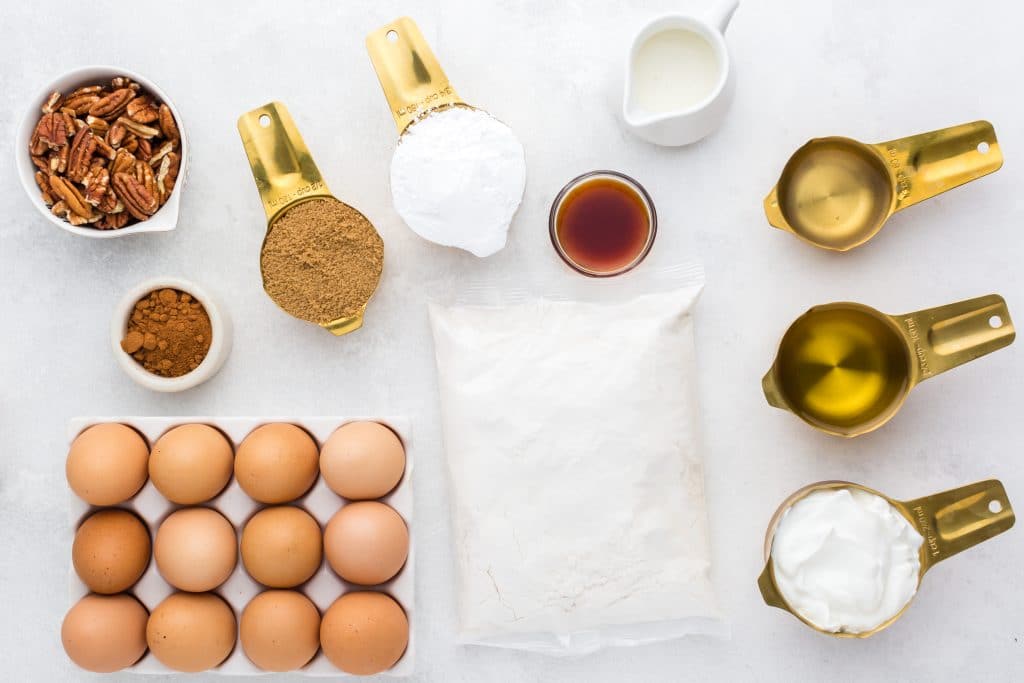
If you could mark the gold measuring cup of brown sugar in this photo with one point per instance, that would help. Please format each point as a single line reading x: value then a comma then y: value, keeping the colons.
x: 949, y: 522
x: 845, y: 368
x: 330, y: 285
x: 836, y: 193
x: 413, y: 81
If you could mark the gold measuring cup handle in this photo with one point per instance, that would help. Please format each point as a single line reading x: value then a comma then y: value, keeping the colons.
x: 281, y: 164
x: 947, y: 336
x: 955, y: 520
x: 409, y: 73
x: 928, y: 164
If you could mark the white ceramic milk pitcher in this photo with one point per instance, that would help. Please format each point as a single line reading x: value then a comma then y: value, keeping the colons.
x: 679, y: 81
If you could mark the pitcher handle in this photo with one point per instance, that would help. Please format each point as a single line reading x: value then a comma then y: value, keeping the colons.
x: 721, y: 13
x: 927, y: 164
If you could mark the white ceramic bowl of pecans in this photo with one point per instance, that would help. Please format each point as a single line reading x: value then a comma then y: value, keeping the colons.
x: 83, y: 183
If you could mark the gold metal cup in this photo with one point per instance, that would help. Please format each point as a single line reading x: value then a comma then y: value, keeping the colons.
x: 413, y: 81
x: 836, y: 193
x: 949, y: 522
x: 286, y: 175
x: 846, y: 369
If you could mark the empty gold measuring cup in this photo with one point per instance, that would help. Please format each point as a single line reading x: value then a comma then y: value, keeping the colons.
x: 845, y: 368
x: 413, y: 81
x: 837, y: 193
x: 286, y: 175
x: 949, y: 522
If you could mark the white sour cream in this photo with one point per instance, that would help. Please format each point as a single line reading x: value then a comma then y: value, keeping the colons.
x: 845, y: 559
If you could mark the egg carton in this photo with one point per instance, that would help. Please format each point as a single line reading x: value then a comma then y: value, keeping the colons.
x: 323, y: 588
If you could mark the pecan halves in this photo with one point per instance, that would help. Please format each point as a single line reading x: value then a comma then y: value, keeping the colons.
x: 112, y: 221
x: 139, y: 129
x: 166, y: 175
x: 67, y: 191
x: 104, y: 155
x: 123, y: 162
x: 104, y: 150
x: 110, y: 204
x: 110, y: 106
x: 80, y: 103
x: 51, y: 133
x: 137, y: 199
x: 98, y: 125
x: 168, y: 126
x: 96, y: 184
x: 142, y: 109
x: 80, y: 157
x: 115, y: 135
x: 53, y: 102
x: 43, y: 181
x: 59, y: 160
x: 144, y: 150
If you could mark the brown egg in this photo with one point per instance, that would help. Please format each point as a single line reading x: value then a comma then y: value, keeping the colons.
x: 111, y: 551
x: 195, y: 549
x: 282, y: 546
x: 276, y: 463
x: 191, y: 464
x: 364, y: 633
x: 105, y: 633
x: 366, y: 543
x: 280, y: 630
x: 191, y: 631
x: 107, y: 464
x: 362, y: 460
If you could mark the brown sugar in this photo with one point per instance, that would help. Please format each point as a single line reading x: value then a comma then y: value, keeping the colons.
x: 322, y: 260
x: 169, y: 333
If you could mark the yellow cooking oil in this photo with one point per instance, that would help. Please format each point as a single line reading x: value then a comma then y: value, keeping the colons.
x: 842, y: 367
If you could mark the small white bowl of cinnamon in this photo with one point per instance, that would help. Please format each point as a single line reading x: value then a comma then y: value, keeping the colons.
x: 168, y: 334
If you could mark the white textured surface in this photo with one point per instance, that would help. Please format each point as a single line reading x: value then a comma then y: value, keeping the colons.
x: 872, y: 69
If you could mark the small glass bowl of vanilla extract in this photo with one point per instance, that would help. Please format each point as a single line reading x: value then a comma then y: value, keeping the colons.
x: 603, y: 223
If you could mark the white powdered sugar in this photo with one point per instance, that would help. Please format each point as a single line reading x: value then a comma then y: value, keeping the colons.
x: 457, y: 178
x: 578, y: 494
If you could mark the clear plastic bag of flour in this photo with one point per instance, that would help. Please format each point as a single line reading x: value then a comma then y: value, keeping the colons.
x: 571, y: 431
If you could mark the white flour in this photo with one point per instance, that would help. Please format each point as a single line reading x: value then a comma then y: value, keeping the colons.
x: 457, y: 178
x: 577, y: 480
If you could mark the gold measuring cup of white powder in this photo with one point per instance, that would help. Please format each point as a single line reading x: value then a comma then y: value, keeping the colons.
x: 846, y: 369
x: 838, y: 553
x: 321, y: 259
x: 458, y: 174
x: 836, y: 193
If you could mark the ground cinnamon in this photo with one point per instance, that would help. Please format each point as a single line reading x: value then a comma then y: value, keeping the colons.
x: 322, y: 260
x: 169, y: 333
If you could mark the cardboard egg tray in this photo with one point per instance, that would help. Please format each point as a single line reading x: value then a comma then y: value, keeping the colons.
x: 322, y: 503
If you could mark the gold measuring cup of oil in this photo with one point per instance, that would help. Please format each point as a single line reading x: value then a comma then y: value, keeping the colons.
x: 845, y: 368
x: 949, y: 522
x: 286, y: 175
x: 836, y: 193
x: 413, y: 81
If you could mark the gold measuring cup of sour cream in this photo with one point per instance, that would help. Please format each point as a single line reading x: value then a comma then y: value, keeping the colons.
x: 836, y: 193
x: 286, y: 176
x: 845, y: 368
x: 949, y: 522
